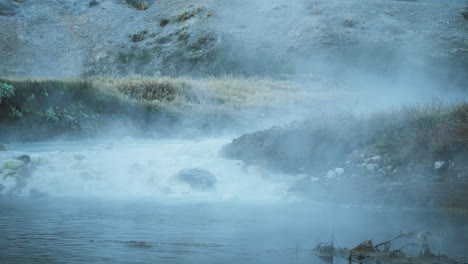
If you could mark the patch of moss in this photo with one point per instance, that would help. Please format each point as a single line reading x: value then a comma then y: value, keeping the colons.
x: 13, y: 164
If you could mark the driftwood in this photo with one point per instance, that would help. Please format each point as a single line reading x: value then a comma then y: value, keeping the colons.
x: 367, y: 252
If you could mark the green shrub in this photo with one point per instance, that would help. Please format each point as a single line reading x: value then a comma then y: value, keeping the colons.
x: 15, y: 113
x: 6, y: 90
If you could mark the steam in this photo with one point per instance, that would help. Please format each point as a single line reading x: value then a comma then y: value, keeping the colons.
x: 145, y: 169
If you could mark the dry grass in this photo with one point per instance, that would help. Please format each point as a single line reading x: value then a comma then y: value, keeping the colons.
x: 77, y: 104
x: 227, y: 96
x: 222, y: 95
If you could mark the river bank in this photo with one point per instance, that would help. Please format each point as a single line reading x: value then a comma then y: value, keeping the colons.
x: 414, y: 156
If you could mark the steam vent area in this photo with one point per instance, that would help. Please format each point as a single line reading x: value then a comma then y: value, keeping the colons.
x: 234, y: 131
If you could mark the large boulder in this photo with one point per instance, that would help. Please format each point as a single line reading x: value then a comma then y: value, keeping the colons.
x: 13, y: 164
x: 17, y: 168
x: 198, y: 179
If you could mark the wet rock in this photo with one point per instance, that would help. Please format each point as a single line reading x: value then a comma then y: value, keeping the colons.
x: 24, y: 158
x: 465, y: 14
x: 13, y: 164
x: 331, y: 174
x: 439, y: 165
x: 17, y: 169
x: 372, y: 167
x: 199, y: 179
x: 339, y: 171
x: 376, y: 159
x: 8, y: 172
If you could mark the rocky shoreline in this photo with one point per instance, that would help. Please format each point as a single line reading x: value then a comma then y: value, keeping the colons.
x: 416, y: 158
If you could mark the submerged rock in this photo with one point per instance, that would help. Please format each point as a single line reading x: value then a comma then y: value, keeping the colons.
x: 199, y: 179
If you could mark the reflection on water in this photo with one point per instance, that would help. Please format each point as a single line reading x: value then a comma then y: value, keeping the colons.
x: 53, y: 230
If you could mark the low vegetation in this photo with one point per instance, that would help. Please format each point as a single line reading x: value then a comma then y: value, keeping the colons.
x: 413, y: 156
x: 83, y: 106
x: 425, y: 132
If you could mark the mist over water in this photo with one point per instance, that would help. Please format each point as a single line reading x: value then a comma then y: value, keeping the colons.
x: 115, y: 199
x: 130, y: 168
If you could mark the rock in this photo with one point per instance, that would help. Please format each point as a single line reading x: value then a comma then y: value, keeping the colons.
x: 372, y: 167
x: 465, y: 14
x: 24, y: 158
x: 331, y: 174
x: 2, y: 147
x: 377, y: 158
x: 13, y: 164
x: 17, y: 169
x: 163, y: 22
x: 8, y: 172
x: 93, y: 3
x: 18, y: 176
x: 438, y: 165
x: 199, y: 179
x: 339, y: 171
